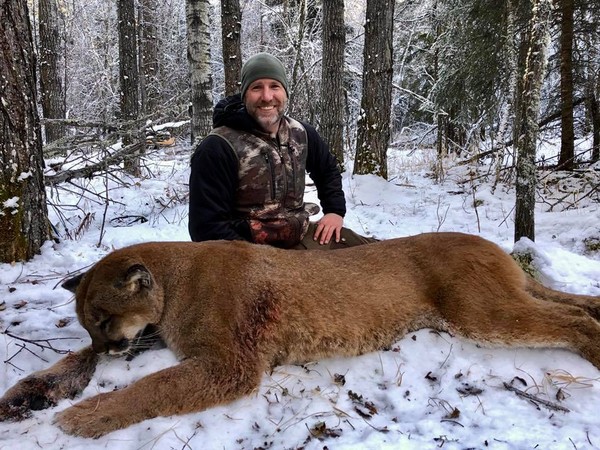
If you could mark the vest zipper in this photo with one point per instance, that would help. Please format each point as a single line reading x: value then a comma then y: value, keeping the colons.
x: 270, y: 166
x: 293, y: 164
x: 283, y: 154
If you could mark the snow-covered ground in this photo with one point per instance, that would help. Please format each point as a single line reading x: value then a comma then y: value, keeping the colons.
x: 430, y: 390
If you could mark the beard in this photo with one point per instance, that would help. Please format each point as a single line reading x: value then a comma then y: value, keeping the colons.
x: 267, y: 119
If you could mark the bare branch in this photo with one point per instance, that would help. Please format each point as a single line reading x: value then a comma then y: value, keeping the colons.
x: 535, y: 399
x: 87, y: 171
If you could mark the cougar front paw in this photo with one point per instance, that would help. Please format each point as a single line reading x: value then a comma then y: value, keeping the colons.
x: 32, y: 393
x: 13, y: 410
x: 90, y: 418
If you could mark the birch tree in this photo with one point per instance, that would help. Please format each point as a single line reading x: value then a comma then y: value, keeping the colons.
x: 24, y: 223
x: 536, y: 42
x: 198, y: 36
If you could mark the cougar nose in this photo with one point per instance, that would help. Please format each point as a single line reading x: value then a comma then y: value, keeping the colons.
x: 100, y: 347
x: 119, y: 346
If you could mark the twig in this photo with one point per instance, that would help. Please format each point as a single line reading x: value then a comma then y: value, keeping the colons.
x: 473, y: 189
x: 441, y: 219
x: 106, y: 203
x: 535, y: 399
x: 447, y: 356
x: 87, y: 171
x: 47, y: 344
x: 455, y: 422
x: 21, y: 348
x: 590, y: 192
x: 186, y: 443
x: 156, y: 438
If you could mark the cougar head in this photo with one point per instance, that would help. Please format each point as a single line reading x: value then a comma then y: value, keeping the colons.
x: 115, y: 301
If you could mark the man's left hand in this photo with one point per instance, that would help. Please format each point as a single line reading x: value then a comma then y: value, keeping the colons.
x: 330, y: 225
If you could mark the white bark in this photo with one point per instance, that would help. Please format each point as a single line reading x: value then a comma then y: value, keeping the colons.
x: 198, y: 36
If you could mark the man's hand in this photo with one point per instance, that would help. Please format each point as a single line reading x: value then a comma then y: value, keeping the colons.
x: 329, y: 225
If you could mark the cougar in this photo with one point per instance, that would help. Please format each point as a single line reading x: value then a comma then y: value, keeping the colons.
x: 232, y: 310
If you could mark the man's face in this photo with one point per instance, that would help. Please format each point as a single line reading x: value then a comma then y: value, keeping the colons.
x: 266, y: 102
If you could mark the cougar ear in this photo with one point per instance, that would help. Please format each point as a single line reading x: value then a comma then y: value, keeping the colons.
x: 136, y: 278
x: 72, y: 283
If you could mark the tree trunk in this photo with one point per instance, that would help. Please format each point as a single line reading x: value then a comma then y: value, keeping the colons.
x: 441, y: 146
x: 528, y: 106
x: 128, y: 73
x: 149, y: 67
x: 52, y: 93
x: 567, y: 141
x: 198, y: 36
x: 231, y: 25
x: 24, y: 225
x: 509, y: 37
x: 290, y: 11
x: 332, y: 77
x: 511, y: 64
x: 373, y: 134
x: 441, y: 117
x: 595, y: 114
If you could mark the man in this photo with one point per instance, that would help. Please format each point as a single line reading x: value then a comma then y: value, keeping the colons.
x: 247, y: 178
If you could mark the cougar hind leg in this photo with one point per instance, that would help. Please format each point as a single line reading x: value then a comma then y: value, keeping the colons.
x: 588, y: 303
x: 517, y: 319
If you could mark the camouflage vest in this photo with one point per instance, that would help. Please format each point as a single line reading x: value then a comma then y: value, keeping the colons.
x: 271, y: 171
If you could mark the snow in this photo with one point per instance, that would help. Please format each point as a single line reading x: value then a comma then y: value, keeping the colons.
x: 429, y: 390
x: 13, y: 203
x: 24, y: 175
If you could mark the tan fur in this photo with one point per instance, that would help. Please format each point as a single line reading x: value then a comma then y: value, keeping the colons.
x: 231, y: 310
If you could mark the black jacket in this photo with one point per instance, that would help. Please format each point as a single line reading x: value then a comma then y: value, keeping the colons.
x: 214, y: 177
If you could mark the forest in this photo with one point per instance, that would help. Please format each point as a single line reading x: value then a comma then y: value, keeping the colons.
x: 473, y: 79
x: 473, y: 116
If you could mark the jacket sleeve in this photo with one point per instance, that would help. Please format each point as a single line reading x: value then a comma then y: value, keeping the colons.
x: 213, y: 183
x: 322, y: 168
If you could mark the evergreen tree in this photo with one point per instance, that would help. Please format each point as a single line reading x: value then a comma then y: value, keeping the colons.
x: 24, y: 225
x: 535, y: 44
x: 149, y: 60
x: 373, y: 135
x: 332, y: 87
x: 128, y: 73
x: 231, y: 24
x: 52, y: 94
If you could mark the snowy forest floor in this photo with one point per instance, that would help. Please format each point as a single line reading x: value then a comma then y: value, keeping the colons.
x: 430, y: 390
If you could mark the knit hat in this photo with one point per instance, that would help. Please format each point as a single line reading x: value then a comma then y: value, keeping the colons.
x: 262, y: 65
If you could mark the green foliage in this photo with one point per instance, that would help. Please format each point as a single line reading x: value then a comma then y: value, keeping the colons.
x: 525, y: 262
x: 592, y: 244
x: 472, y: 51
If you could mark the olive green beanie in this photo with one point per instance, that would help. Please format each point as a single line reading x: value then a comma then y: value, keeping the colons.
x: 262, y: 65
